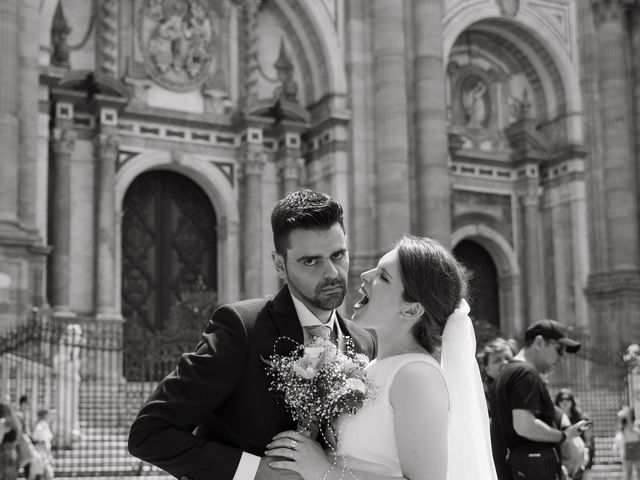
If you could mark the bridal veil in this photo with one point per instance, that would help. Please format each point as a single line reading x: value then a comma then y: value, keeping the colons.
x: 469, y: 444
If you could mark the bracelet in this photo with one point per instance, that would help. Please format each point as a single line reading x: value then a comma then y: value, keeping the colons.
x: 563, y: 438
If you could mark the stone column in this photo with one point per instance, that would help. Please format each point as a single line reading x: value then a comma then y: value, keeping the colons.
x: 289, y: 156
x: 253, y: 162
x: 359, y: 60
x: 106, y: 156
x: 620, y: 175
x: 28, y: 107
x: 634, y: 17
x: 590, y: 86
x: 391, y: 135
x: 250, y: 41
x: 107, y: 38
x: 434, y: 183
x: 63, y: 145
x: 533, y: 292
x: 9, y: 129
x: 613, y: 289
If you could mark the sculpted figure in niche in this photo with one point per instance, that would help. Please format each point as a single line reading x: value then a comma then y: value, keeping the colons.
x: 521, y: 106
x: 474, y: 103
x: 195, y: 30
x: 164, y: 44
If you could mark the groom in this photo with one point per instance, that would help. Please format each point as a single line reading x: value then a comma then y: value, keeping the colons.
x: 213, y: 416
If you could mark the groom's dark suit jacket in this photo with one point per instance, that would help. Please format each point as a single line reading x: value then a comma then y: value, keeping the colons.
x: 216, y: 404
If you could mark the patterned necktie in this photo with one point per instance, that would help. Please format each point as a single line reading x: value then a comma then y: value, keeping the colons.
x: 320, y: 331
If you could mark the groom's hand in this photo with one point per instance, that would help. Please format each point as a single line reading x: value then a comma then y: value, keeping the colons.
x: 265, y: 472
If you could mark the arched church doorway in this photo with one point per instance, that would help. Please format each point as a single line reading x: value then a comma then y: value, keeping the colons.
x: 483, y: 284
x: 168, y: 264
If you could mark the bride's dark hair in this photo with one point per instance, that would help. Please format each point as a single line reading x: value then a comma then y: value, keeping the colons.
x: 432, y: 277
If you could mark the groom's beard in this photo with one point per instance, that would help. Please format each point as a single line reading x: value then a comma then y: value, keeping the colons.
x: 328, y: 295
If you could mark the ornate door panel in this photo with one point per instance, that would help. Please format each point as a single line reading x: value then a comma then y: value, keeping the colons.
x: 168, y: 250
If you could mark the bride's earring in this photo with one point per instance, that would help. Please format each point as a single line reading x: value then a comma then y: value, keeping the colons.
x: 413, y: 312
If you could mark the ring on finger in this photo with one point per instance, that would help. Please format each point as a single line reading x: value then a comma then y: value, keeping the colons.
x: 292, y: 454
x: 294, y: 444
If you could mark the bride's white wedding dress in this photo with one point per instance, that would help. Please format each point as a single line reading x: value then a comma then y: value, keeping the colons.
x: 366, y: 440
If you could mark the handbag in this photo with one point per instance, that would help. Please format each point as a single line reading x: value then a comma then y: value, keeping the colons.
x: 26, y: 450
x: 534, y: 461
x: 574, y: 455
x: 632, y: 451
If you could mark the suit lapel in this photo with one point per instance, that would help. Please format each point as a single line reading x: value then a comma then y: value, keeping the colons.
x: 284, y: 315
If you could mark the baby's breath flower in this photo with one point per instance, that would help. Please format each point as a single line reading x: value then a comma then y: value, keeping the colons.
x: 320, y: 382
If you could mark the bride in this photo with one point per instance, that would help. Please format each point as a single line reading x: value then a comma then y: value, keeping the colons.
x: 429, y: 419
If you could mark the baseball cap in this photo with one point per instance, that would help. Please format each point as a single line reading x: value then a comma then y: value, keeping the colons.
x: 552, y: 330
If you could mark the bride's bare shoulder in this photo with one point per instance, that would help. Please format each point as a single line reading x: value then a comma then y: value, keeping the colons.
x: 420, y: 379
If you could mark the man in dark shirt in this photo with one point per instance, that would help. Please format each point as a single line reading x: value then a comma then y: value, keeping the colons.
x: 522, y: 410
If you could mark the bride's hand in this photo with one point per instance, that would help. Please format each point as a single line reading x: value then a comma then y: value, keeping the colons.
x: 305, y: 456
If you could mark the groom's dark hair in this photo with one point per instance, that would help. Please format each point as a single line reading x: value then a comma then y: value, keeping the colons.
x: 432, y: 277
x: 305, y: 209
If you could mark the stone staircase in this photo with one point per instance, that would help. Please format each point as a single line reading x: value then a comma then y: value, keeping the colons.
x: 606, y: 472
x: 106, y: 412
x: 107, y: 409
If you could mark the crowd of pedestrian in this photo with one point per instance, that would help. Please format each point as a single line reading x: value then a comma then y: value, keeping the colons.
x: 22, y: 449
x: 534, y: 437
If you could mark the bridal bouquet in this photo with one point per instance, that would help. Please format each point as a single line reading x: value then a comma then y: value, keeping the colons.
x: 318, y: 383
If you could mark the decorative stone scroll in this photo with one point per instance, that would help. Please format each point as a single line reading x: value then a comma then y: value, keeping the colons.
x: 179, y: 41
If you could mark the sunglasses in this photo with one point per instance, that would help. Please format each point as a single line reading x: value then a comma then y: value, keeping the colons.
x: 565, y: 399
x: 559, y: 347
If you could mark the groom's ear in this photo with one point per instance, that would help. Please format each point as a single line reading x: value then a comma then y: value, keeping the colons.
x: 278, y: 262
x: 412, y: 311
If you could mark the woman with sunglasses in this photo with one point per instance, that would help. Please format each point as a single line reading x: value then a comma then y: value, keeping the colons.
x: 567, y: 403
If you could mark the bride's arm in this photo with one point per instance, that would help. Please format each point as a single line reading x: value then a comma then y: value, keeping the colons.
x: 309, y: 460
x: 421, y: 403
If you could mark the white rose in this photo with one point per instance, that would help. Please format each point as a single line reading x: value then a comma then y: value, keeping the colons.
x: 357, y: 385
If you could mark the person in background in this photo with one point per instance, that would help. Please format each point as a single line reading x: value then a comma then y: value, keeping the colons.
x: 10, y: 431
x: 495, y: 355
x: 42, y: 437
x: 522, y: 412
x: 567, y: 403
x: 23, y: 414
x: 26, y: 451
x: 627, y: 442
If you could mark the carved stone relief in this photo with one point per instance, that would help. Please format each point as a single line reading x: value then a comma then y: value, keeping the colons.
x: 492, y: 209
x: 556, y: 14
x: 520, y: 98
x: 509, y: 8
x: 180, y: 41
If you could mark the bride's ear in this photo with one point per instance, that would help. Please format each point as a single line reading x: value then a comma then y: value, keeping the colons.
x: 412, y: 311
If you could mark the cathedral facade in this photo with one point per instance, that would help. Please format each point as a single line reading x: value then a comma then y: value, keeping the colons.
x: 145, y: 142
